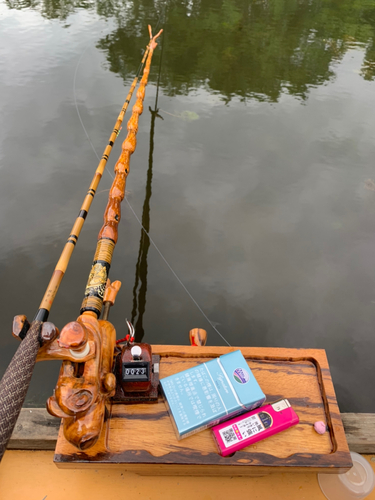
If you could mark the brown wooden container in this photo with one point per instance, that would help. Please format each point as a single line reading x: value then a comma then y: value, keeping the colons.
x: 140, y: 438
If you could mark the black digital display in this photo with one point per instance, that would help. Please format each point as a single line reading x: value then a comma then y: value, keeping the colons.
x: 136, y: 371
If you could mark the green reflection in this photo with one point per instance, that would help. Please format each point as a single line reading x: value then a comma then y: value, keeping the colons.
x: 249, y: 49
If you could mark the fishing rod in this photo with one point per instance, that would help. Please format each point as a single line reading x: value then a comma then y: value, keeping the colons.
x: 63, y: 262
x: 87, y: 345
x: 16, y: 379
x: 140, y: 283
x: 108, y: 234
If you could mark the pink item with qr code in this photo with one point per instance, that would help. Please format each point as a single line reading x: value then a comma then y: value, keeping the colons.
x: 242, y: 431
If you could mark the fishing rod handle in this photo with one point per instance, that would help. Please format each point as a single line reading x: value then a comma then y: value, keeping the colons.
x: 16, y: 381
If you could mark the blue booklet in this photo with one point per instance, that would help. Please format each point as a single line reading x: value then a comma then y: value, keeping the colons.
x: 210, y: 393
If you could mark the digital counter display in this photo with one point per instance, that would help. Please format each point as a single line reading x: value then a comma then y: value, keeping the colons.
x: 136, y: 371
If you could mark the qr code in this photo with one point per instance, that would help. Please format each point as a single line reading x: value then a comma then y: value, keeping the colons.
x: 229, y: 435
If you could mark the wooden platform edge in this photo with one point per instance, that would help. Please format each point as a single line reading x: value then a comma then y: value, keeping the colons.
x: 37, y: 430
x: 360, y: 431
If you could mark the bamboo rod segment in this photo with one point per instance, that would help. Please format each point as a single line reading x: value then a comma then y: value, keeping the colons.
x: 64, y: 259
x: 107, y: 238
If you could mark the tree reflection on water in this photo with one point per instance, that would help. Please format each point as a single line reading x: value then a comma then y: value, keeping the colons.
x: 249, y: 49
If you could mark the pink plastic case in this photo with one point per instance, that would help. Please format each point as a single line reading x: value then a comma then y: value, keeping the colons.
x: 239, y: 432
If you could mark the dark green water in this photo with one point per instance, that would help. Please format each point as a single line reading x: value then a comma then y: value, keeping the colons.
x: 254, y: 172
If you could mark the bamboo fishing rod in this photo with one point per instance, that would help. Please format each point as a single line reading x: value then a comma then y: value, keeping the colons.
x: 89, y: 343
x: 16, y: 379
x: 107, y: 238
x: 140, y: 283
x: 63, y: 261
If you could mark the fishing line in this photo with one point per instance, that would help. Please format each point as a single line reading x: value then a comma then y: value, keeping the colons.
x: 75, y: 98
x: 132, y: 210
x: 174, y: 274
x: 75, y: 101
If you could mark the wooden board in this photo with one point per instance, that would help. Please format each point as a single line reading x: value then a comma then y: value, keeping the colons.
x: 140, y: 438
x: 360, y: 431
x: 38, y: 430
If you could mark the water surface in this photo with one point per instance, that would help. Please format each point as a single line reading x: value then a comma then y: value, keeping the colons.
x: 254, y: 172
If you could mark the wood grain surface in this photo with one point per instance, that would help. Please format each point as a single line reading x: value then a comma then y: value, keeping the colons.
x: 36, y: 429
x: 141, y: 437
x: 360, y: 431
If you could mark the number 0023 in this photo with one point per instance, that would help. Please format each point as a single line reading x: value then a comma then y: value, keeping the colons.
x: 135, y: 371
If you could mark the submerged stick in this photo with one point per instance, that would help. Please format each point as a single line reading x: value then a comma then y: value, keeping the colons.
x: 16, y: 380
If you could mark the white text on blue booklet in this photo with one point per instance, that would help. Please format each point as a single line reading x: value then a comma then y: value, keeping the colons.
x: 210, y: 393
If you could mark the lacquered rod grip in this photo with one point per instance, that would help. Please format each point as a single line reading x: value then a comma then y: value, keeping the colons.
x: 15, y: 383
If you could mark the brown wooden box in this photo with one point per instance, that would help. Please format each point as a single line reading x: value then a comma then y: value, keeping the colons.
x: 140, y: 438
